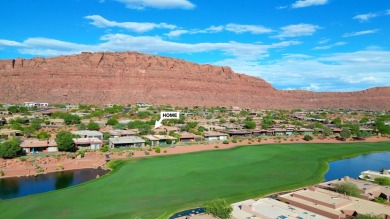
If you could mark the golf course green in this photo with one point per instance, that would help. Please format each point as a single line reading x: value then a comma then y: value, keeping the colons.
x: 157, y: 187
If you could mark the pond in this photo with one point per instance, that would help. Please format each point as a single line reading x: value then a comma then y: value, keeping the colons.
x: 354, y: 166
x: 14, y: 187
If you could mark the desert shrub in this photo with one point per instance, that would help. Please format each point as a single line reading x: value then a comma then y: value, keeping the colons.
x: 216, y: 146
x: 70, y: 155
x: 380, y: 200
x: 81, y: 153
x: 104, y: 148
x: 308, y: 138
x: 2, y: 173
x: 234, y: 140
x: 368, y: 216
x: 60, y: 166
x: 348, y: 188
x: 147, y: 153
x: 225, y: 142
x: 157, y: 150
x: 383, y: 181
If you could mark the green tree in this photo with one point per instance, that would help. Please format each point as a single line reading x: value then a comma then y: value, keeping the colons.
x: 327, y: 131
x: 363, y: 134
x: 364, y: 120
x: 106, y: 135
x: 64, y: 140
x: 222, y: 120
x: 135, y: 124
x: 43, y: 135
x: 143, y: 114
x: 266, y: 122
x: 112, y: 121
x: 348, y: 188
x: 249, y: 124
x: 10, y: 149
x: 345, y: 133
x: 70, y: 119
x: 93, y: 126
x: 144, y: 129
x: 337, y: 122
x: 192, y: 124
x: 219, y: 208
x: 120, y: 126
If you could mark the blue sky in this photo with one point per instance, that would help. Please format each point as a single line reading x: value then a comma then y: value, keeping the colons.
x: 318, y: 45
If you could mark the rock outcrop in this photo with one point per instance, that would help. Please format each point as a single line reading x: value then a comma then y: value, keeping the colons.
x: 130, y: 77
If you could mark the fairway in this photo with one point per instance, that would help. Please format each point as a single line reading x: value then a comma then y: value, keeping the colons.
x: 158, y: 186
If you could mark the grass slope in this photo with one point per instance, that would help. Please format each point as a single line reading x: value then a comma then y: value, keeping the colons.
x: 158, y: 186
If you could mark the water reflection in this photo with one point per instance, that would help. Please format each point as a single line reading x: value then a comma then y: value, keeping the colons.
x: 9, y: 187
x: 21, y: 186
x: 64, y: 179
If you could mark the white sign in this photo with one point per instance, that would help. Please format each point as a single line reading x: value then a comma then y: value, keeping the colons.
x: 166, y: 115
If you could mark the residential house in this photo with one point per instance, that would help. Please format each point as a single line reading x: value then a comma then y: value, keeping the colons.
x: 10, y: 133
x: 270, y: 208
x: 278, y: 131
x: 333, y: 205
x: 369, y: 174
x: 34, y: 104
x: 239, y: 133
x: 91, y: 143
x: 305, y: 131
x: 46, y: 112
x: 215, y: 136
x: 88, y: 134
x: 36, y: 145
x: 129, y: 141
x: 368, y: 190
x: 189, y: 137
x: 159, y: 140
x: 261, y: 132
x: 123, y: 133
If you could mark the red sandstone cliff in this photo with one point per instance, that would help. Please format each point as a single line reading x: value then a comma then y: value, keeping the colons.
x: 122, y: 78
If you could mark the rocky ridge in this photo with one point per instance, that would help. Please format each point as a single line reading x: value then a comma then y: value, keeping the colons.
x: 130, y: 77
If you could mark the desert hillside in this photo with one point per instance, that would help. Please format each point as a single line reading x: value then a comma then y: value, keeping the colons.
x: 130, y: 77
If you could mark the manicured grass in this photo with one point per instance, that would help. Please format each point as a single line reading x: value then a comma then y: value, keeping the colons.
x: 158, y: 186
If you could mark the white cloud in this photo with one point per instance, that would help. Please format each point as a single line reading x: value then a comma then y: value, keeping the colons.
x: 282, y: 7
x: 329, y: 46
x: 308, y: 3
x: 323, y: 41
x: 147, y: 44
x: 176, y: 33
x: 161, y: 4
x: 364, y: 32
x: 9, y: 43
x: 297, y: 30
x: 235, y: 28
x: 333, y: 72
x: 365, y: 17
x: 101, y: 22
x: 253, y: 29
